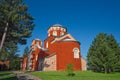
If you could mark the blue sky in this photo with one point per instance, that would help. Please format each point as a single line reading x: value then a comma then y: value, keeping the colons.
x: 84, y: 19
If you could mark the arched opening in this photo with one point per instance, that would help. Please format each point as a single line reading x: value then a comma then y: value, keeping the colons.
x: 76, y: 52
x: 54, y: 33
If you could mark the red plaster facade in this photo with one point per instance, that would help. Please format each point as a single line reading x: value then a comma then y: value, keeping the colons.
x: 59, y: 50
x: 24, y: 66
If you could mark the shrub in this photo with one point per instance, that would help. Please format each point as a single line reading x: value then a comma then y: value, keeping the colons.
x: 69, y: 70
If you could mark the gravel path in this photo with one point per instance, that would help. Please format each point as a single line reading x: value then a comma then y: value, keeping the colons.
x: 24, y: 76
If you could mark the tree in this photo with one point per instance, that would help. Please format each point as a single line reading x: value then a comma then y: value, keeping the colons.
x: 14, y: 59
x: 16, y: 23
x: 26, y: 52
x: 3, y: 55
x: 8, y: 51
x: 102, y: 53
x: 116, y: 53
x: 11, y: 56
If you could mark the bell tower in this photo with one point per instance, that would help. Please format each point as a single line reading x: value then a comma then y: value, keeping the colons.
x: 57, y: 30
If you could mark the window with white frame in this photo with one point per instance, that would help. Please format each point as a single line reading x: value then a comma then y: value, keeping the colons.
x: 54, y: 33
x: 76, y: 52
x: 61, y: 33
x: 37, y: 43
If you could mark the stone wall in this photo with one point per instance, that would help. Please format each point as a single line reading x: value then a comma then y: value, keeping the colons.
x: 50, y: 63
x: 83, y: 63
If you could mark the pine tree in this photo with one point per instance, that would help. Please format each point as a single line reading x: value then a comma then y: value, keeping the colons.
x: 26, y: 52
x: 102, y: 53
x: 115, y: 52
x: 16, y: 24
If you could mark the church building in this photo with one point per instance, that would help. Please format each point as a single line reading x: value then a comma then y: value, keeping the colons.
x: 59, y: 49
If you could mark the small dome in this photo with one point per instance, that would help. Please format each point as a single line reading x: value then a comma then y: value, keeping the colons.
x: 37, y: 39
x: 56, y: 30
x: 56, y: 25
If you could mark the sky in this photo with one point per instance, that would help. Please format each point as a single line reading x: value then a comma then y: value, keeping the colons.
x: 84, y: 19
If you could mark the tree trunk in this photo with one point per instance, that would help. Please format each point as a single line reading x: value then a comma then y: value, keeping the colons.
x: 106, y: 70
x: 4, y: 35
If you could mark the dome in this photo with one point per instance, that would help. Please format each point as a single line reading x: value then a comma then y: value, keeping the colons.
x: 56, y: 25
x: 56, y: 30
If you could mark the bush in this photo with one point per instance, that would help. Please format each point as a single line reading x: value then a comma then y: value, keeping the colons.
x: 69, y: 70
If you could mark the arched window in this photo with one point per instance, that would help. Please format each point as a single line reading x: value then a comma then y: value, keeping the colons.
x: 49, y: 34
x: 37, y: 43
x: 54, y: 33
x: 36, y: 57
x: 76, y: 52
x: 61, y: 33
x: 47, y: 45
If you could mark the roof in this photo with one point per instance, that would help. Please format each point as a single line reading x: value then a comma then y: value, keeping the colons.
x: 50, y: 55
x: 57, y: 25
x: 62, y: 37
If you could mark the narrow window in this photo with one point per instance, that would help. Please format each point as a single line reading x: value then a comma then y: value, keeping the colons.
x: 49, y: 34
x: 61, y: 33
x: 54, y: 33
x: 47, y: 45
x: 36, y: 58
x: 76, y: 52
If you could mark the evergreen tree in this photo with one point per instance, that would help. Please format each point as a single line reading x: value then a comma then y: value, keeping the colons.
x: 26, y: 52
x: 11, y: 56
x: 8, y: 51
x: 15, y: 63
x: 115, y: 52
x: 16, y: 24
x: 102, y: 53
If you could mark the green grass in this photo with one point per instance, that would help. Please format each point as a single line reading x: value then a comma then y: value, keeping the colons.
x: 80, y: 75
x: 7, y: 75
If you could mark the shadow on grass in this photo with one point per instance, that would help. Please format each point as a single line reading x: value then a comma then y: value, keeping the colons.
x: 10, y: 78
x: 4, y: 74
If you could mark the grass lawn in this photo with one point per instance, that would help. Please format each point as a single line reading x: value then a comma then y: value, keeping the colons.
x: 7, y: 75
x: 80, y: 75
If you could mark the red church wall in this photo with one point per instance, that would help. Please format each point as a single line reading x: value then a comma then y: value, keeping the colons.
x: 65, y: 55
x: 51, y: 47
x: 24, y: 65
x: 35, y: 59
x: 35, y: 54
x: 59, y: 43
x: 49, y: 39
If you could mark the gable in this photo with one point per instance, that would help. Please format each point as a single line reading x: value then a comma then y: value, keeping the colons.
x: 67, y: 37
